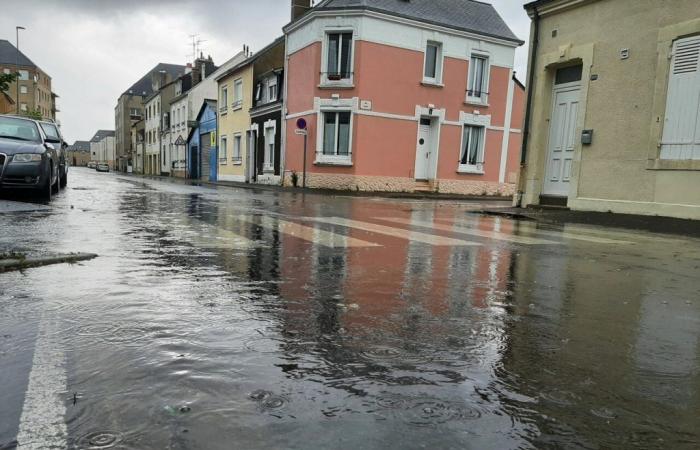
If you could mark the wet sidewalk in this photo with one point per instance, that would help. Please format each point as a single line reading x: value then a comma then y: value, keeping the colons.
x: 417, y: 195
x: 562, y: 216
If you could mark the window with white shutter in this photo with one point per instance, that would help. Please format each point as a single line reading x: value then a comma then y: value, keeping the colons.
x: 681, y: 138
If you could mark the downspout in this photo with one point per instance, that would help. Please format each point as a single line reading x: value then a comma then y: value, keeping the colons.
x: 528, y: 106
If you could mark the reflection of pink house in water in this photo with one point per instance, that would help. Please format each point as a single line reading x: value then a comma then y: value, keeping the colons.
x: 404, y: 95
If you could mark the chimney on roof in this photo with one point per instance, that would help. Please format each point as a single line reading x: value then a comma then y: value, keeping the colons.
x: 299, y: 8
x: 203, y: 67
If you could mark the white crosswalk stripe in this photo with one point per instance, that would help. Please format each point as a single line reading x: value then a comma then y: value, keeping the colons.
x: 535, y: 231
x: 315, y: 235
x: 471, y: 231
x: 395, y: 232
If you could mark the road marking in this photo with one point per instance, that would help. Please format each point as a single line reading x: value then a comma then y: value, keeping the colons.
x: 315, y: 235
x: 416, y: 236
x: 205, y: 235
x: 569, y: 235
x: 42, y: 423
x: 471, y: 231
x: 530, y: 228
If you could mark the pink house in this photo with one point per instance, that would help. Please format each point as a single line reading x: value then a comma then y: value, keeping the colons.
x: 403, y: 95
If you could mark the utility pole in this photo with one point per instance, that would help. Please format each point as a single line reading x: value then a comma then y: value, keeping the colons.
x: 17, y: 63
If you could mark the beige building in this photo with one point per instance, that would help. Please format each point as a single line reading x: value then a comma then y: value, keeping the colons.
x: 235, y: 101
x: 130, y: 109
x: 138, y: 136
x: 613, y: 121
x: 79, y: 154
x: 34, y: 88
x: 102, y: 148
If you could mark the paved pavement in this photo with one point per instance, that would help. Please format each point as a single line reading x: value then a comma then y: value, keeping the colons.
x: 231, y: 318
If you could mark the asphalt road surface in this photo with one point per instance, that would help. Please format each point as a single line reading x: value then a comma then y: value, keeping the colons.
x: 229, y: 318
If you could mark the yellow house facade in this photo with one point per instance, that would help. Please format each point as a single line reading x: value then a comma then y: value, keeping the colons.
x: 235, y: 100
x: 613, y: 116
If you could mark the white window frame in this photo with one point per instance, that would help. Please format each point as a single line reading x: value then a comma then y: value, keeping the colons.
x: 272, y: 82
x: 334, y: 159
x: 237, y: 153
x: 23, y: 90
x: 223, y: 109
x: 269, y: 158
x: 483, y: 99
x: 477, y: 121
x: 439, y: 63
x: 23, y: 75
x: 237, y: 101
x: 345, y: 82
x: 223, y: 149
x: 23, y: 107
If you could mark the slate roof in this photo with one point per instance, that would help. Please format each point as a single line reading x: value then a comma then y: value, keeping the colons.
x: 464, y: 15
x: 145, y: 88
x: 80, y: 146
x: 8, y: 55
x: 101, y: 134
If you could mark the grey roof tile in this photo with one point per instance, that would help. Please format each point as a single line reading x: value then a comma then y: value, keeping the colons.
x: 144, y: 87
x: 80, y: 146
x: 8, y: 55
x: 465, y: 15
x: 101, y: 134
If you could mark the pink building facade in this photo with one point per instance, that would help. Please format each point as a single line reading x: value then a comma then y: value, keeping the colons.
x: 395, y: 103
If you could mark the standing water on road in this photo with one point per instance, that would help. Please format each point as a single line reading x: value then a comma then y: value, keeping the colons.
x: 222, y: 318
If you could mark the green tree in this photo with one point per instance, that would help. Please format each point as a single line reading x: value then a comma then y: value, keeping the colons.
x: 34, y: 114
x: 5, y: 80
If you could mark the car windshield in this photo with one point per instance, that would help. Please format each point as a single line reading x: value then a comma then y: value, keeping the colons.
x: 51, y: 131
x: 19, y: 129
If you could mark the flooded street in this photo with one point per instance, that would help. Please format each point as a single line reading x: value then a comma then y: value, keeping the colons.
x: 227, y: 318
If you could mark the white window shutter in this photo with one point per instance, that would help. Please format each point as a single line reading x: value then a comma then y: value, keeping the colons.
x: 681, y: 138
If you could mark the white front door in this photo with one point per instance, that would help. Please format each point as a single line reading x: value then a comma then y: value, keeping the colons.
x: 423, y: 149
x: 562, y: 141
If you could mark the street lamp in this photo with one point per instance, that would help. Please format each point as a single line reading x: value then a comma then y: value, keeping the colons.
x: 17, y: 61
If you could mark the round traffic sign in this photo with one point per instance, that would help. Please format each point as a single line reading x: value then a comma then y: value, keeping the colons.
x: 301, y: 123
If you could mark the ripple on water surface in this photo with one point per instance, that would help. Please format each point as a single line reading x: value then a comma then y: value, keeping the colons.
x: 99, y: 440
x: 112, y: 334
x: 426, y: 411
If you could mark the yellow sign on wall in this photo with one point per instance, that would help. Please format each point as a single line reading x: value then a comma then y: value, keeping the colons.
x: 213, y: 138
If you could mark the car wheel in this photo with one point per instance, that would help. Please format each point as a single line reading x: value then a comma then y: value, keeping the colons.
x: 57, y: 185
x: 64, y: 180
x: 47, y: 190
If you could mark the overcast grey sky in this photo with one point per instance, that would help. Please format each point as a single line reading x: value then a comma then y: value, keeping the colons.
x: 95, y: 49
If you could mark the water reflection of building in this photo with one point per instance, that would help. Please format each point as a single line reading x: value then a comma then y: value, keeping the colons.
x: 397, y: 294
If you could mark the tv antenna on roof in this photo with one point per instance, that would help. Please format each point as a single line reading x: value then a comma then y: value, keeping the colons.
x: 196, y: 45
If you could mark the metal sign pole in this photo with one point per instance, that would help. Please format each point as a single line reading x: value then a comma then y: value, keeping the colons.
x: 301, y: 129
x: 304, y: 182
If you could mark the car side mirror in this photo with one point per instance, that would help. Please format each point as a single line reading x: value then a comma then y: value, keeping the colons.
x: 53, y: 141
x: 49, y: 146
